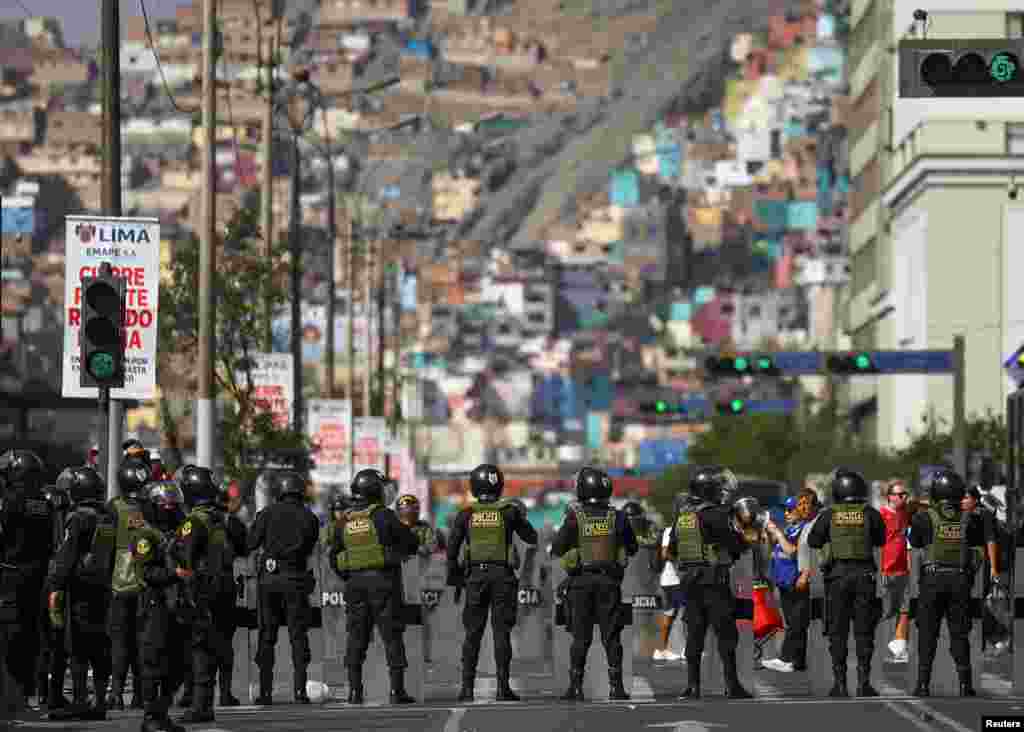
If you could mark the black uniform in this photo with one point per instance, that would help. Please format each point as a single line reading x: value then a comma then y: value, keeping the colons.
x: 287, y: 533
x: 851, y: 593
x: 53, y: 660
x: 225, y: 616
x: 947, y: 577
x: 371, y: 544
x: 26, y: 545
x: 490, y: 581
x: 84, y: 580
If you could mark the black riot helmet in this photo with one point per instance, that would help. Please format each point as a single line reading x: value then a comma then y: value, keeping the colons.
x: 166, y: 495
x: 290, y: 483
x: 849, y: 486
x: 714, y: 484
x: 338, y: 503
x: 947, y: 487
x: 132, y: 476
x: 22, y: 467
x: 368, y: 486
x: 634, y: 510
x: 82, y: 484
x: 593, y: 485
x: 486, y: 482
x: 685, y: 502
x: 197, y: 485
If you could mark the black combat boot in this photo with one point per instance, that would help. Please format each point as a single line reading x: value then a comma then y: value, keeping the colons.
x: 55, y: 699
x: 185, y: 702
x: 227, y: 699
x: 115, y: 699
x: 301, y: 697
x: 79, y: 705
x: 839, y: 689
x: 966, y: 681
x: 266, y: 697
x: 864, y: 687
x: 355, y: 685
x: 616, y: 691
x: 924, y: 681
x: 733, y: 688
x: 692, y: 690
x: 202, y: 706
x: 398, y: 695
x: 505, y: 692
x: 466, y: 694
x: 575, y: 690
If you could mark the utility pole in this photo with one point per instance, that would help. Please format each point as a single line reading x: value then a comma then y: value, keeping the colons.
x: 267, y: 150
x: 350, y: 282
x: 382, y: 287
x: 295, y: 254
x: 112, y: 419
x: 368, y: 278
x: 332, y: 246
x: 960, y: 404
x: 205, y: 407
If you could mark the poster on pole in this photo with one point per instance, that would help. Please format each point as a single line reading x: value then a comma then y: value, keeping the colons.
x: 329, y: 422
x: 132, y: 246
x: 272, y: 385
x: 370, y: 434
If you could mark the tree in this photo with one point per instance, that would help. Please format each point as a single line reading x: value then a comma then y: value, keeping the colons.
x: 933, y: 445
x: 243, y: 280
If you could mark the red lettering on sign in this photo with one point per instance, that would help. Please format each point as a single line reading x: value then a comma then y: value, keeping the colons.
x: 74, y: 317
x: 133, y: 276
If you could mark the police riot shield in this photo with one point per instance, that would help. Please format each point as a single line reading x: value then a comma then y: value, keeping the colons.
x: 529, y: 635
x: 244, y: 639
x: 330, y: 593
x: 440, y: 620
x: 595, y: 681
x: 819, y: 662
x: 641, y: 588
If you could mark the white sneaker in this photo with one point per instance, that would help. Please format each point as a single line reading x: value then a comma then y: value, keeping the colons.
x: 671, y: 655
x: 898, y: 647
x: 777, y: 664
x: 901, y: 658
x: 659, y: 655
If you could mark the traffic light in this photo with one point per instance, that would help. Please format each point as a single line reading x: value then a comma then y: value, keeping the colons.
x: 742, y: 365
x: 101, y: 338
x: 851, y: 363
x: 732, y: 407
x: 961, y: 67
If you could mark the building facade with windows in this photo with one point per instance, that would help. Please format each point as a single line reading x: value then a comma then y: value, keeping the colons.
x: 936, y: 232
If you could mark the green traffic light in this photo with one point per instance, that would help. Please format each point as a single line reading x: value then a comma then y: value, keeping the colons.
x: 660, y: 407
x: 1004, y: 67
x: 764, y: 364
x: 101, y: 365
x: 863, y: 362
x: 736, y: 405
x: 742, y: 364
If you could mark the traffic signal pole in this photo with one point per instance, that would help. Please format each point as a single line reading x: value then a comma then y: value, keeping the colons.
x: 960, y: 404
x: 111, y: 427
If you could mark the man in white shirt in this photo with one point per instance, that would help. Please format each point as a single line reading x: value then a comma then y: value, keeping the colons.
x: 673, y: 600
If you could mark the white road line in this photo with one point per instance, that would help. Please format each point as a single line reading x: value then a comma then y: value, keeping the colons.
x: 948, y: 721
x: 454, y: 722
x: 909, y: 716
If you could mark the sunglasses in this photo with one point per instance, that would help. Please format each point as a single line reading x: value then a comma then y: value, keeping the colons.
x: 899, y: 495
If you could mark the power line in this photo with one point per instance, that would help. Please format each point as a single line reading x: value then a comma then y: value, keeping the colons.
x: 156, y: 55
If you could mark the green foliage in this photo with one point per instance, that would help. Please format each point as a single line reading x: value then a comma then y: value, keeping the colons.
x: 245, y: 281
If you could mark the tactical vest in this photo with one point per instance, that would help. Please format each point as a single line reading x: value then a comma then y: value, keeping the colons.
x: 220, y: 555
x: 946, y: 539
x: 690, y: 546
x: 424, y: 533
x: 132, y: 526
x: 94, y: 560
x: 488, y: 533
x: 363, y: 550
x: 598, y: 542
x: 849, y: 532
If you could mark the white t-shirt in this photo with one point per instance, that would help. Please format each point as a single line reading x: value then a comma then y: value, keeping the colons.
x: 669, y: 576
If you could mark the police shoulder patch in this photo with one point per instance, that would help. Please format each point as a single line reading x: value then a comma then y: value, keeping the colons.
x: 185, y: 529
x: 143, y: 548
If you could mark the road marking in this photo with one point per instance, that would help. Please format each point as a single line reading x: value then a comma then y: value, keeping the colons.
x: 909, y: 716
x: 689, y: 725
x: 455, y: 720
x: 948, y: 721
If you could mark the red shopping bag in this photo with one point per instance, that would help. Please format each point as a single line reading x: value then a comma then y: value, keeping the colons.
x: 767, y: 619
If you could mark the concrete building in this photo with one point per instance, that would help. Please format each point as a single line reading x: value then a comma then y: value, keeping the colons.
x: 935, y: 237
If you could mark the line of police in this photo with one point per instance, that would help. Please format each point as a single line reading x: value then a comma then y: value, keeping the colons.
x: 151, y: 573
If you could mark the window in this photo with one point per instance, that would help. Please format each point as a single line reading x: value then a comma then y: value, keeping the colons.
x: 864, y: 267
x: 1015, y: 25
x: 1015, y: 138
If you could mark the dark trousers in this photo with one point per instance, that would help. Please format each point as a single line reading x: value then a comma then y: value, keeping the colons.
x: 374, y: 598
x: 162, y: 650
x: 23, y: 587
x: 852, y: 600
x: 53, y: 657
x: 595, y: 598
x: 490, y: 590
x: 204, y: 646
x: 710, y: 604
x: 123, y: 629
x: 89, y: 608
x: 284, y: 600
x: 796, y: 609
x: 944, y: 595
x: 226, y: 623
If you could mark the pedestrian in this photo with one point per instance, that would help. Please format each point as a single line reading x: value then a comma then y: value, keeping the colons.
x: 408, y: 509
x: 603, y: 539
x: 485, y: 528
x: 994, y: 633
x: 947, y: 533
x: 703, y: 545
x: 896, y: 512
x: 78, y: 587
x: 286, y: 534
x: 203, y: 549
x: 854, y: 529
x: 371, y: 546
x: 673, y: 600
x: 794, y: 595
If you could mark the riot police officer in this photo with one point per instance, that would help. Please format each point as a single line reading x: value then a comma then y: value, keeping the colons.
x: 486, y: 526
x: 704, y: 546
x: 79, y: 590
x: 409, y: 514
x: 53, y: 661
x: 645, y: 530
x: 133, y: 514
x: 26, y: 545
x: 598, y: 533
x: 371, y: 545
x: 854, y: 529
x: 163, y: 639
x: 287, y: 533
x: 948, y: 536
x: 203, y: 549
